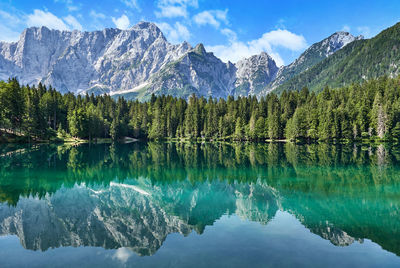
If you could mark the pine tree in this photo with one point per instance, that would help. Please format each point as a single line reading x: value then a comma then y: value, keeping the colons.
x: 33, y: 118
x: 239, y: 129
x: 14, y: 104
x: 396, y: 131
x: 274, y: 118
x: 326, y: 125
x: 260, y: 131
x: 379, y: 116
x: 158, y: 127
x: 73, y: 123
x: 114, y: 129
x: 252, y: 127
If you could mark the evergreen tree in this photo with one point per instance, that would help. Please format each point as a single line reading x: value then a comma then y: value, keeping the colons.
x: 352, y: 112
x: 274, y: 117
x: 158, y: 126
x: 379, y: 116
x: 396, y: 131
x: 239, y: 129
x: 14, y: 103
x: 114, y: 131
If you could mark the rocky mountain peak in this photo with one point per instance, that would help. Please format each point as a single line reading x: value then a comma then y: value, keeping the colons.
x: 196, y: 71
x: 140, y: 61
x: 150, y: 27
x: 337, y: 41
x: 185, y: 45
x: 146, y: 24
x: 254, y: 73
x: 100, y: 61
x: 200, y: 49
x: 313, y: 55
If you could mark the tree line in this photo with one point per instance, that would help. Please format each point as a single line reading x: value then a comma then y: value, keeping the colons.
x: 163, y: 162
x: 370, y: 110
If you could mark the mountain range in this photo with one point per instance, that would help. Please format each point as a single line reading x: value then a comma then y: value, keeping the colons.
x: 134, y: 195
x: 140, y: 215
x: 138, y: 62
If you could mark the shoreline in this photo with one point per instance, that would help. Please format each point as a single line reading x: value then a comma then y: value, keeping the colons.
x: 177, y: 140
x: 15, y: 139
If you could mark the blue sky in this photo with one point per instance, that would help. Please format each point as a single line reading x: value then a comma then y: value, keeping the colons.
x: 231, y: 29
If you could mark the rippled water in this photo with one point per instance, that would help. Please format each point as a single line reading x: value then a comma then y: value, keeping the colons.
x: 199, y: 205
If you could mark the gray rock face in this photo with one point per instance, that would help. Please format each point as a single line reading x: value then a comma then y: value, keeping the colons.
x: 138, y: 62
x: 335, y: 42
x: 254, y: 73
x: 198, y: 72
x: 101, y: 61
x: 202, y: 73
x: 134, y: 63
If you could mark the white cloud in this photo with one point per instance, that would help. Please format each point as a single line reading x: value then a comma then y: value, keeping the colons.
x: 7, y: 34
x: 9, y: 25
x: 122, y: 254
x: 282, y: 38
x: 211, y: 17
x: 172, y: 12
x: 97, y: 20
x: 96, y: 15
x: 229, y: 33
x: 71, y: 20
x: 132, y: 4
x: 73, y: 8
x: 364, y: 30
x: 69, y: 4
x: 268, y: 42
x: 121, y: 22
x: 176, y: 33
x: 346, y: 28
x: 10, y: 17
x: 43, y: 18
x: 281, y: 24
x: 174, y: 8
x: 48, y: 19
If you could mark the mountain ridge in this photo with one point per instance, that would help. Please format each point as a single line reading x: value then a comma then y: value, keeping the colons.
x: 139, y: 62
x: 312, y: 56
x: 363, y: 60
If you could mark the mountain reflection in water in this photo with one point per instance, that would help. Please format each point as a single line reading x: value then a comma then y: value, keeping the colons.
x: 134, y: 195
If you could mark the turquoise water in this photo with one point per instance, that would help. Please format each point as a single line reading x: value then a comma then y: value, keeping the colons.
x: 199, y: 205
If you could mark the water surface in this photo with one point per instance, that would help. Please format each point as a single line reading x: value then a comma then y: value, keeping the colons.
x: 199, y: 205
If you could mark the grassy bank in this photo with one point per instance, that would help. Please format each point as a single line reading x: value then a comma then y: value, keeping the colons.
x: 20, y: 138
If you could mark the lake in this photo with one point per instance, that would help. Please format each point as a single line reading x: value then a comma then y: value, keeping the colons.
x: 199, y: 205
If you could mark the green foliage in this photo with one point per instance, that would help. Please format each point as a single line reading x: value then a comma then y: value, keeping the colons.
x: 360, y: 111
x: 359, y: 60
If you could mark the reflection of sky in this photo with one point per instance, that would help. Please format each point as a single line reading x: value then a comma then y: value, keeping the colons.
x: 122, y: 254
x: 230, y: 242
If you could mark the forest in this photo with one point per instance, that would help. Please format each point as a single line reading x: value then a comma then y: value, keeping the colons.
x: 369, y: 110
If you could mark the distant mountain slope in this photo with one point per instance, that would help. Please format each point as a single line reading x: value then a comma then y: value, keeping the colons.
x: 133, y: 63
x: 138, y: 62
x: 254, y: 74
x: 204, y: 74
x: 361, y: 60
x: 197, y: 71
x: 312, y: 56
